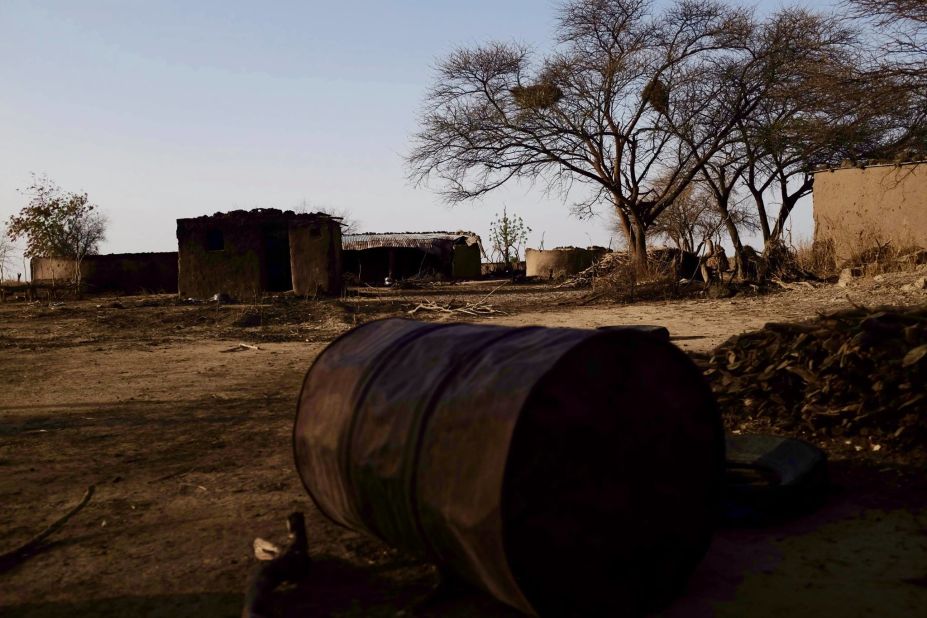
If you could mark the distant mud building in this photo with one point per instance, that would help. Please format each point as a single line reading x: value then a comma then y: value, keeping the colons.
x: 128, y: 273
x: 372, y: 258
x: 560, y: 262
x: 857, y: 209
x: 246, y: 254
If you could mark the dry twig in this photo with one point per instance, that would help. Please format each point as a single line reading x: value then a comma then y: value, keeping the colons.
x: 21, y: 553
x: 472, y: 309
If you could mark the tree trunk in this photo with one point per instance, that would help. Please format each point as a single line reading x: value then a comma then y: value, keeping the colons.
x: 757, y: 193
x: 761, y: 211
x: 741, y: 260
x: 637, y: 245
x: 77, y: 282
x: 634, y: 232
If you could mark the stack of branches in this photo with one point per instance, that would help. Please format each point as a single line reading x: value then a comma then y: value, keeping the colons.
x: 606, y: 264
x: 855, y: 373
x: 661, y: 263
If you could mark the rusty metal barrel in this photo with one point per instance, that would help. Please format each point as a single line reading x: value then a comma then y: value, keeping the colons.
x: 564, y: 471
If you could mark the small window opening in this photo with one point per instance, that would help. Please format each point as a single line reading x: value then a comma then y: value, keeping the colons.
x: 215, y: 240
x: 315, y: 231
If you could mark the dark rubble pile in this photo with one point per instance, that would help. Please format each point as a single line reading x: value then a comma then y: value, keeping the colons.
x: 857, y: 373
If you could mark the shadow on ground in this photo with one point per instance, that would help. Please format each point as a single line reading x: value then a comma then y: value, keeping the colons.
x: 158, y: 606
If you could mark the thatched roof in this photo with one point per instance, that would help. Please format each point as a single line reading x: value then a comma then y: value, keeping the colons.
x: 430, y: 242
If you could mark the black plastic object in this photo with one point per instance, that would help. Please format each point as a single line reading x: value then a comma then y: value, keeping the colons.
x: 769, y: 476
x: 564, y: 471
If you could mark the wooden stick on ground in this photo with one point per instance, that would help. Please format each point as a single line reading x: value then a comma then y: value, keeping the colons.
x: 21, y: 553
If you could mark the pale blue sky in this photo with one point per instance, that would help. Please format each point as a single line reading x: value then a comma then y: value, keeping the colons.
x: 168, y: 109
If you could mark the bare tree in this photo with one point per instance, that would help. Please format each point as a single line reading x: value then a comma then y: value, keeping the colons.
x: 58, y: 224
x: 903, y: 23
x: 813, y: 111
x: 721, y: 176
x: 600, y: 114
x: 897, y: 75
x: 7, y: 249
x: 689, y: 220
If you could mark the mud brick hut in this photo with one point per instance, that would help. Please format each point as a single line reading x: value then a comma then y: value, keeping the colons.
x: 246, y: 254
x: 859, y: 208
x: 560, y: 262
x: 372, y: 258
x: 128, y: 273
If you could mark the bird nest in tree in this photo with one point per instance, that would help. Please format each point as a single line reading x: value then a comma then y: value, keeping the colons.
x: 657, y: 94
x: 539, y: 96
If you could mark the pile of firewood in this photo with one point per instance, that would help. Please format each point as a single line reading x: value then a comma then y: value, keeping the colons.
x: 607, y: 264
x: 859, y: 372
x: 617, y: 264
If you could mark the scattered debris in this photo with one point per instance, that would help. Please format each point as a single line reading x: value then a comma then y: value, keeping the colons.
x: 480, y: 307
x: 849, y: 274
x: 797, y: 285
x: 265, y: 550
x: 241, y: 347
x: 473, y: 309
x: 916, y: 285
x: 250, y: 317
x: 859, y: 372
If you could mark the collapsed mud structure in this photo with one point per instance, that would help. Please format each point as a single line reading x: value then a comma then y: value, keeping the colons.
x: 129, y: 273
x: 248, y: 253
x: 372, y: 258
x: 561, y: 262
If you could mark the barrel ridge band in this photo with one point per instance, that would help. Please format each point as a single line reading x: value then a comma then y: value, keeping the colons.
x: 427, y: 411
x: 299, y: 401
x: 366, y: 382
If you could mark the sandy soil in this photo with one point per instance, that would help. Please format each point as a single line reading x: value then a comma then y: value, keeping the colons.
x: 188, y: 445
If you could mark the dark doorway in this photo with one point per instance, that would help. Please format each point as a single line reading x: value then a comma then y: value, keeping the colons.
x: 277, y: 274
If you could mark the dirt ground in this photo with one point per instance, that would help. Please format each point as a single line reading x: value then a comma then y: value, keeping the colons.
x: 186, y: 436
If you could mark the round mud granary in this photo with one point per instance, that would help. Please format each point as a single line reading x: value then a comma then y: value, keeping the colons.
x: 561, y: 262
x: 561, y: 470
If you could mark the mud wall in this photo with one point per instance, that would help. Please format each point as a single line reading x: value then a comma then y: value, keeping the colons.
x: 52, y: 270
x: 130, y: 273
x: 466, y: 262
x: 561, y: 262
x: 315, y: 257
x: 856, y: 208
x: 232, y: 266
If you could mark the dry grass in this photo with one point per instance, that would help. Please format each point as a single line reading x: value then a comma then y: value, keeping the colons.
x: 870, y: 249
x: 818, y: 258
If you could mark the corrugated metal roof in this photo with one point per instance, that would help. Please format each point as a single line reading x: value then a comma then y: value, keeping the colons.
x: 426, y: 241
